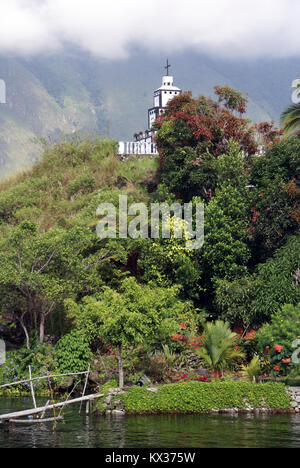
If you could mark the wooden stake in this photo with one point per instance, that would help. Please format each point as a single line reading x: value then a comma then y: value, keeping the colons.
x: 85, y: 385
x: 43, y: 413
x: 31, y: 388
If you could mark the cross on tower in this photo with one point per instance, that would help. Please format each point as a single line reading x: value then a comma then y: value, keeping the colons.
x: 167, y: 67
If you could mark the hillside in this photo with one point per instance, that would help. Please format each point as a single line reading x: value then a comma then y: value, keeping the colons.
x: 73, y: 92
x: 65, y: 187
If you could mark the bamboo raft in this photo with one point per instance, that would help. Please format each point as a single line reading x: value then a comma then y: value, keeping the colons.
x: 31, y: 412
x: 14, y: 417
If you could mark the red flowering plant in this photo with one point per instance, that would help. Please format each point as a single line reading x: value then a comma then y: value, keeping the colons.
x: 277, y: 357
x: 187, y: 339
x: 193, y: 133
x: 248, y: 341
x: 275, y: 340
x: 280, y: 362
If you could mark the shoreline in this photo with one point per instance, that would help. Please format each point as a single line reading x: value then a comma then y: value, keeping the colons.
x: 231, y: 398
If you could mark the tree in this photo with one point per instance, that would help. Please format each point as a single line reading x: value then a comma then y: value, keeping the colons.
x: 275, y: 198
x: 39, y: 270
x: 290, y: 120
x: 192, y: 134
x: 253, y: 370
x: 135, y: 315
x: 219, y: 347
x: 225, y: 253
x: 232, y: 99
x: 253, y: 299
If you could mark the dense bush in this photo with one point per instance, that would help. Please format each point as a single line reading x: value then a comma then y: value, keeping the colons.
x: 253, y: 299
x: 197, y: 397
x: 73, y: 352
x: 41, y: 358
x: 276, y: 339
x: 192, y: 134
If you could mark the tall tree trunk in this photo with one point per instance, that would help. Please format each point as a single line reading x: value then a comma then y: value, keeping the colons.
x: 25, y: 332
x: 120, y: 367
x: 42, y: 328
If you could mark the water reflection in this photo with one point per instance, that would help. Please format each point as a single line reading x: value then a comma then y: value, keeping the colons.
x: 153, y: 431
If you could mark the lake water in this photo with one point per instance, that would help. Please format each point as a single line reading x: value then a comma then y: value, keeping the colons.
x: 177, y: 431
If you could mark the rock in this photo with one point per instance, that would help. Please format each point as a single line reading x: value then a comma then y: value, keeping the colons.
x: 202, y: 371
x: 67, y: 383
x: 118, y: 413
x: 143, y: 381
x: 107, y: 401
x: 152, y: 389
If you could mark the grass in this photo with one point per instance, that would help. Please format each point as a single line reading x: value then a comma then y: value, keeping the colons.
x: 66, y: 179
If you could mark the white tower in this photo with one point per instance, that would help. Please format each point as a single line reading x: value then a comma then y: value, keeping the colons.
x: 162, y: 96
x: 2, y: 92
x: 144, y: 142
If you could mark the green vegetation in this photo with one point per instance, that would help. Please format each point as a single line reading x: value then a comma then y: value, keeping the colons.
x: 290, y: 120
x: 197, y: 397
x: 276, y: 339
x: 253, y: 370
x: 135, y: 307
x: 74, y: 91
x: 137, y: 315
x: 219, y: 347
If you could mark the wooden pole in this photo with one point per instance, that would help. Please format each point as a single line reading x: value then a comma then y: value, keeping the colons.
x: 50, y: 407
x: 85, y: 385
x: 34, y: 421
x: 40, y: 378
x: 43, y: 413
x: 31, y: 388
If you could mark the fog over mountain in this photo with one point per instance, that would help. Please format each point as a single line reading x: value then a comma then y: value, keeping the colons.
x: 225, y: 28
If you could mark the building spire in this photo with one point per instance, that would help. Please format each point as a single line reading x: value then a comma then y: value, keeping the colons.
x: 167, y: 67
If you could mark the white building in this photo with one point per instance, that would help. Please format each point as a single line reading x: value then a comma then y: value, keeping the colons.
x: 2, y: 92
x: 143, y: 142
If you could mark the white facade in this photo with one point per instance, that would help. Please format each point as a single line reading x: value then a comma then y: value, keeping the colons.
x: 144, y: 141
x: 2, y: 92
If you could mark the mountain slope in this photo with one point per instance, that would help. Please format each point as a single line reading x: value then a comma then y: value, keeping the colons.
x: 71, y: 92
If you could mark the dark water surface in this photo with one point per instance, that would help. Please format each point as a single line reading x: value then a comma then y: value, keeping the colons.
x: 279, y: 431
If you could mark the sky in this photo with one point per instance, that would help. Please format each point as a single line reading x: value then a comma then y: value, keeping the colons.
x: 110, y: 29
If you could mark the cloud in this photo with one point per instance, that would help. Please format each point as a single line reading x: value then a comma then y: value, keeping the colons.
x: 110, y: 28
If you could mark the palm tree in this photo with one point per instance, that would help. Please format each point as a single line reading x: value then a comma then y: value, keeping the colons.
x: 253, y: 370
x: 290, y: 120
x: 220, y: 347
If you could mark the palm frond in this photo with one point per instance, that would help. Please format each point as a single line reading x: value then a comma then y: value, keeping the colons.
x: 290, y: 120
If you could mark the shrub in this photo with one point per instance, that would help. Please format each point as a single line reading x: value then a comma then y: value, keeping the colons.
x: 84, y: 183
x: 198, y: 397
x: 276, y: 338
x: 73, y: 352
